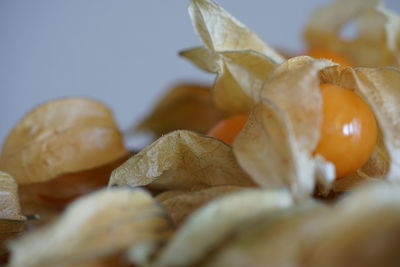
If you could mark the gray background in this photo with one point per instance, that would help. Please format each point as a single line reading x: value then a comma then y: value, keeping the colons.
x: 122, y: 52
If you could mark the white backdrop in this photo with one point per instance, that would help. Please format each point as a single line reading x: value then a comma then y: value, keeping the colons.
x: 122, y: 52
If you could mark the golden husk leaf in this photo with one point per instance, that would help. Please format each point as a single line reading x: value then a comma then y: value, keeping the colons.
x: 11, y: 219
x: 61, y: 136
x: 181, y: 203
x: 377, y: 42
x: 220, y: 31
x: 9, y: 202
x: 181, y: 160
x: 241, y: 59
x: 361, y: 230
x: 95, y: 226
x: 204, y: 231
x: 183, y: 107
x: 203, y: 58
x: 275, y: 146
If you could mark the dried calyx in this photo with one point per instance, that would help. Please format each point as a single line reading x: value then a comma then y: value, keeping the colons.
x: 61, y: 136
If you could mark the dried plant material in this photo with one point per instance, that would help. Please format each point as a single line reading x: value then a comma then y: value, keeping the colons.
x: 212, y: 224
x: 9, y: 229
x: 381, y: 88
x: 285, y: 127
x: 65, y: 188
x: 9, y: 203
x: 377, y: 42
x: 275, y: 147
x: 182, y: 203
x: 47, y: 200
x: 241, y: 59
x: 277, y: 239
x: 238, y: 85
x: 115, y: 260
x: 11, y: 219
x: 361, y: 230
x: 219, y: 31
x: 95, y: 226
x: 181, y: 160
x: 203, y: 58
x: 183, y: 107
x: 61, y: 136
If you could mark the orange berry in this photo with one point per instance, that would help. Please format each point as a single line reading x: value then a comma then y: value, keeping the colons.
x: 349, y: 129
x: 329, y: 54
x: 227, y: 129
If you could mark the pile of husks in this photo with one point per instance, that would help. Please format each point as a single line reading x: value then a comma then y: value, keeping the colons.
x: 189, y: 199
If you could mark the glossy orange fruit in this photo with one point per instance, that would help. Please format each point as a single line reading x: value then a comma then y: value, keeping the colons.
x: 227, y: 129
x: 349, y: 129
x: 329, y: 54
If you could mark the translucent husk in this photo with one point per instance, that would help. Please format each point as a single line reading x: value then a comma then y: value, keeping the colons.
x: 377, y: 42
x: 61, y: 136
x: 181, y: 160
x: 204, y: 231
x: 239, y: 57
x: 361, y: 230
x: 285, y: 126
x: 275, y: 146
x: 183, y: 107
x: 98, y: 225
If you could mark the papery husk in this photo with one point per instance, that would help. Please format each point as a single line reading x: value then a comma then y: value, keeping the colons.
x: 239, y: 57
x: 47, y: 200
x: 377, y: 42
x: 380, y: 88
x: 9, y: 202
x: 362, y: 230
x: 208, y: 227
x: 115, y: 260
x: 12, y: 222
x: 179, y: 161
x: 220, y: 31
x: 275, y: 146
x: 101, y: 224
x: 182, y: 203
x: 61, y: 136
x: 183, y: 107
x: 276, y: 239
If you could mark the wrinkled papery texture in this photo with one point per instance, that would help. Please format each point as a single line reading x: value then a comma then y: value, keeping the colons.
x: 381, y: 88
x: 377, y: 42
x: 183, y: 107
x: 95, y: 226
x: 11, y: 220
x: 239, y: 57
x: 220, y: 31
x: 181, y: 160
x: 181, y: 203
x: 275, y: 146
x: 61, y: 136
x: 208, y: 227
x: 9, y: 202
x: 360, y: 230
